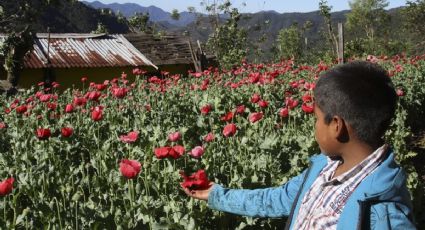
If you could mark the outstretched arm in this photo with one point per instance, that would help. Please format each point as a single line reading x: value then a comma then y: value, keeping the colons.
x: 269, y: 202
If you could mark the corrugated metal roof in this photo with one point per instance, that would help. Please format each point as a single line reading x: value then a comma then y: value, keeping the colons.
x: 84, y: 50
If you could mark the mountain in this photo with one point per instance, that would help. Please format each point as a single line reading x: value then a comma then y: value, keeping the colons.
x: 156, y: 14
x: 68, y: 17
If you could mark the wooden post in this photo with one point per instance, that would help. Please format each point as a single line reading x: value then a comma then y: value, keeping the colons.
x: 340, y: 43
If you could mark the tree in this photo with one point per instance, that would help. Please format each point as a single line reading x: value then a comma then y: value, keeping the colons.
x: 175, y: 15
x: 289, y: 43
x: 325, y: 11
x: 369, y: 20
x: 414, y: 18
x: 228, y: 41
x: 139, y: 22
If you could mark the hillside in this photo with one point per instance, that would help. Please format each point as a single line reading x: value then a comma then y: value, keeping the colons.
x: 70, y: 17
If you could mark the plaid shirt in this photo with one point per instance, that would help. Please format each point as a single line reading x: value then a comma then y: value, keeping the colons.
x: 326, y: 198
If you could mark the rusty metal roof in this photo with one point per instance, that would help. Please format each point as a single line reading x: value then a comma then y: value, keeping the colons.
x: 84, y: 50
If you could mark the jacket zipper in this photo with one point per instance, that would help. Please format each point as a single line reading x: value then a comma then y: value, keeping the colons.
x: 294, y: 204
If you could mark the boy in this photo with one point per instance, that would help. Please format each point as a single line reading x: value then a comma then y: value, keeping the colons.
x: 354, y: 183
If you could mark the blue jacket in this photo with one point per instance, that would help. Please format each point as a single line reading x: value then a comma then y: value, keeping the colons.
x: 381, y: 200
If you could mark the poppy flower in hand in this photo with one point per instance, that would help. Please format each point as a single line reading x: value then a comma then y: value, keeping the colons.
x: 6, y: 186
x: 130, y: 168
x: 196, y: 181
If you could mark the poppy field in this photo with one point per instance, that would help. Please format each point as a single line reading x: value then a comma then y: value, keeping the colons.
x: 114, y: 154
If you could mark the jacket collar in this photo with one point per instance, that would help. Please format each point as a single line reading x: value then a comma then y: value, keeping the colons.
x: 382, y: 184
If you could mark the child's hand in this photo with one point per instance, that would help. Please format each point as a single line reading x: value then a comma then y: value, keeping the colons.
x: 198, y: 194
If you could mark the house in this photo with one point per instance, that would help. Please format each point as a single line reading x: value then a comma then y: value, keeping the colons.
x: 65, y: 58
x: 171, y: 52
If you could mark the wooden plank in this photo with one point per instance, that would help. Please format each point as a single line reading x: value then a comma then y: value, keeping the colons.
x: 340, y: 43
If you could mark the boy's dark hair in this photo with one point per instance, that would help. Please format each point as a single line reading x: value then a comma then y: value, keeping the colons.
x: 362, y: 94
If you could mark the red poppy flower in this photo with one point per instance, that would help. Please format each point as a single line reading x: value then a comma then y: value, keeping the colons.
x: 229, y: 130
x: 162, y: 152
x: 97, y: 113
x: 206, y: 109
x: 307, y: 98
x: 131, y: 137
x: 174, y: 137
x: 130, y: 168
x: 43, y: 134
x: 197, y: 181
x: 291, y: 103
x: 176, y: 151
x: 307, y: 108
x: 45, y: 97
x: 227, y: 117
x: 80, y: 101
x: 101, y: 87
x: 21, y: 109
x: 255, y: 98
x: 6, y: 186
x: 254, y: 117
x: 119, y: 92
x: 69, y: 108
x: 93, y: 95
x: 83, y: 79
x: 283, y: 112
x: 263, y: 104
x: 67, y: 131
x: 209, y: 137
x: 240, y: 109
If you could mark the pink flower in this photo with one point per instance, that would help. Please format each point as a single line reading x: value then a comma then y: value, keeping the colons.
x: 400, y: 92
x: 67, y: 131
x: 130, y: 168
x: 209, y: 137
x: 131, y: 137
x: 6, y: 186
x: 174, y: 137
x: 197, y: 152
x: 3, y: 125
x: 254, y: 117
x: 229, y: 130
x: 83, y: 79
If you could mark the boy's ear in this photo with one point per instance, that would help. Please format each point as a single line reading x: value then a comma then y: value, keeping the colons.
x: 340, y: 129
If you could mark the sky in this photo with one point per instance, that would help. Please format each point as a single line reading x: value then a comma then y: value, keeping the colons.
x: 252, y: 6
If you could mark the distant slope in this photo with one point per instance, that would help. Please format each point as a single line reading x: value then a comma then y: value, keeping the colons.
x: 156, y: 14
x: 72, y: 17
